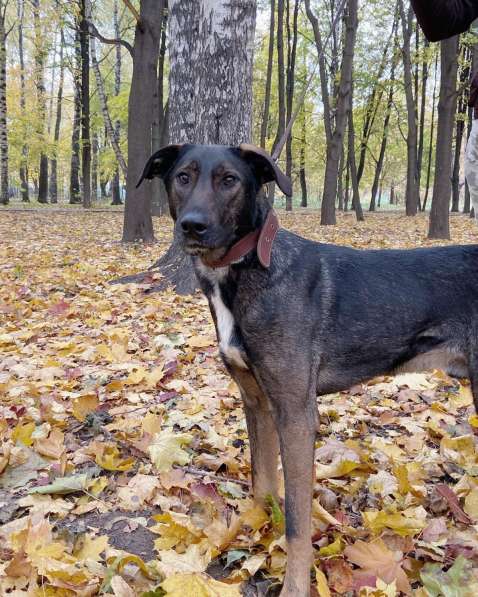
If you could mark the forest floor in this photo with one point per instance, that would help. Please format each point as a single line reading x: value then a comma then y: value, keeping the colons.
x: 124, y: 464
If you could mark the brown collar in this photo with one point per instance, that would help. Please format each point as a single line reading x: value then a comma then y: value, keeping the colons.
x: 260, y: 239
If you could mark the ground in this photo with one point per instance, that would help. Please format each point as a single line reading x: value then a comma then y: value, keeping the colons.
x: 124, y: 464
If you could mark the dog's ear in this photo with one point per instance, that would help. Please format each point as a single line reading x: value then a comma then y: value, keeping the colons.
x: 265, y: 168
x: 160, y: 162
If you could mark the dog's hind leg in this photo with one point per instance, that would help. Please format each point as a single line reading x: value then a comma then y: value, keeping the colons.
x: 263, y: 438
x: 473, y: 372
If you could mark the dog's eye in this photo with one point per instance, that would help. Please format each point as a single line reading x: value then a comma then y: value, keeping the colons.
x: 229, y: 180
x: 183, y: 178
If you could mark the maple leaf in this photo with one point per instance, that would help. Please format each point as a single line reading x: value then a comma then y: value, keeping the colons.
x: 199, y: 585
x: 376, y: 559
x: 167, y: 449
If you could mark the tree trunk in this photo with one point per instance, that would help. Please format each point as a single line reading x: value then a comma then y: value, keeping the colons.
x: 94, y: 166
x: 353, y: 166
x: 302, y: 161
x: 40, y: 53
x: 423, y: 103
x: 85, y: 14
x: 462, y: 108
x: 291, y: 60
x: 467, y: 201
x: 4, y: 199
x: 270, y: 64
x: 159, y: 138
x: 116, y: 192
x: 23, y: 171
x: 411, y: 194
x: 432, y: 131
x: 110, y: 131
x: 213, y: 49
x: 53, y: 186
x: 439, y: 214
x: 280, y: 74
x: 75, y: 193
x: 138, y: 224
x: 335, y: 146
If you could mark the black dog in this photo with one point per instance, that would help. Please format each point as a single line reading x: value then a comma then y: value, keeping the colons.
x: 295, y: 318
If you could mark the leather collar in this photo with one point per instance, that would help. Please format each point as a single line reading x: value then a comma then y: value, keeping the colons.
x: 260, y: 239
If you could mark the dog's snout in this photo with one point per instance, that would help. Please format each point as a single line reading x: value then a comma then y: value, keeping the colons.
x: 194, y: 224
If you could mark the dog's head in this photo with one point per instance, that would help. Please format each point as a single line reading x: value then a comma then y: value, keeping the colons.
x: 212, y: 191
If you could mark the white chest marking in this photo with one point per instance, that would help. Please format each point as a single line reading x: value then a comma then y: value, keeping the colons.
x: 225, y: 328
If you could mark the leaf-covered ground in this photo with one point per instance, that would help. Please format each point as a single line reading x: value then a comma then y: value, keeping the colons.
x: 124, y: 461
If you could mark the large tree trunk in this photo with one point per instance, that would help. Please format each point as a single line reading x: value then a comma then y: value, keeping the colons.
x: 3, y: 110
x: 411, y: 194
x: 281, y: 114
x: 23, y: 171
x: 302, y: 161
x: 85, y: 13
x: 53, y: 186
x: 439, y: 214
x: 213, y: 49
x: 270, y: 64
x: 75, y: 194
x: 138, y: 224
x: 40, y: 53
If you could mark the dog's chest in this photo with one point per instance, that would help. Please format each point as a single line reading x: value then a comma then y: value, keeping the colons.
x: 229, y: 346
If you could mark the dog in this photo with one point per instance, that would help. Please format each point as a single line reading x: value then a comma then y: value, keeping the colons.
x: 296, y: 319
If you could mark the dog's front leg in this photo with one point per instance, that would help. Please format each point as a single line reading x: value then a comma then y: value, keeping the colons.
x: 296, y: 419
x: 263, y: 438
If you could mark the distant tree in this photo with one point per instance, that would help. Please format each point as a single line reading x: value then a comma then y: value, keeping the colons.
x: 23, y: 170
x: 40, y: 56
x: 3, y: 106
x: 85, y: 14
x: 53, y: 186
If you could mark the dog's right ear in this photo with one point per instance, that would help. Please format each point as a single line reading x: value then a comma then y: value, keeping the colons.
x: 160, y: 163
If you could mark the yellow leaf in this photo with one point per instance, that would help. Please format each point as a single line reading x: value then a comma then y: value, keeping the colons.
x: 376, y: 521
x: 83, y: 405
x: 109, y: 459
x: 154, y: 376
x: 197, y: 585
x: 151, y: 423
x: 167, y: 449
x: 471, y: 504
x: 332, y: 549
x: 336, y: 469
x: 196, y: 558
x: 91, y: 548
x: 255, y: 516
x: 23, y: 433
x: 473, y: 421
x: 136, y: 376
x: 175, y: 530
x: 121, y: 588
x: 322, y: 586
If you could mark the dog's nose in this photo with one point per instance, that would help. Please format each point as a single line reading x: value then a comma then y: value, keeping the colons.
x: 194, y: 224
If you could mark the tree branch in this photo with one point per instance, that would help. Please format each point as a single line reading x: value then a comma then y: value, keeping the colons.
x: 135, y: 13
x: 118, y: 42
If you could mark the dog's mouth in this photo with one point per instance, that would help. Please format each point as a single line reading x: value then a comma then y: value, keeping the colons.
x: 194, y: 248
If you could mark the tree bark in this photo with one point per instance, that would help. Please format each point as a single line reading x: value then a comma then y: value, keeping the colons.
x: 270, y: 64
x: 53, y: 186
x: 461, y: 116
x: 116, y: 192
x: 213, y: 49
x: 411, y: 194
x: 23, y: 171
x: 281, y: 114
x: 138, y: 224
x: 423, y: 103
x: 75, y: 192
x: 353, y: 166
x: 439, y: 214
x: 40, y: 53
x: 432, y: 131
x: 291, y: 60
x: 85, y: 14
x: 302, y: 161
x: 4, y: 199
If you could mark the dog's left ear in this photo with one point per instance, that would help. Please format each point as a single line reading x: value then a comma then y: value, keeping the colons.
x: 160, y: 162
x: 265, y: 168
